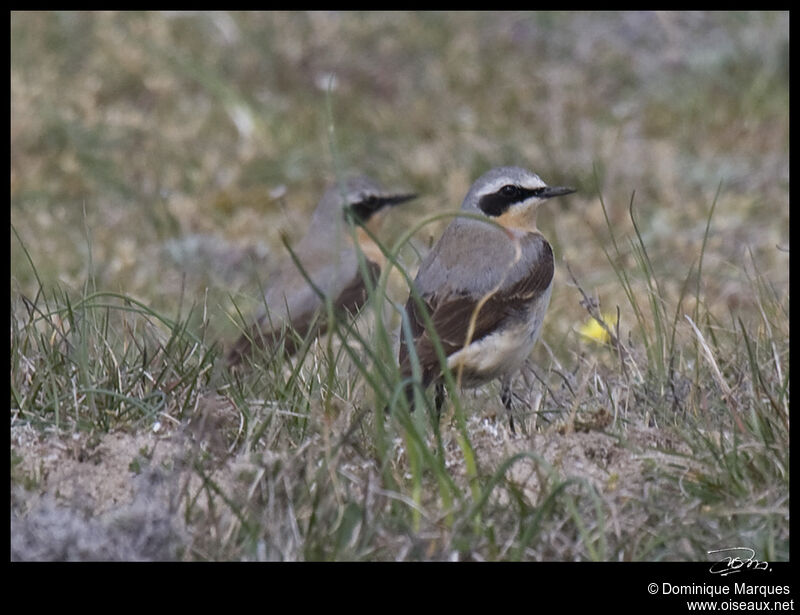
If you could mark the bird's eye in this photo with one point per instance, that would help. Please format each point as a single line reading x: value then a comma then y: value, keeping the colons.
x: 509, y: 191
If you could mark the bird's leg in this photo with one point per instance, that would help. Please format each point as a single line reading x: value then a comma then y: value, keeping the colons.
x: 507, y: 397
x: 439, y: 398
x: 409, y: 390
x: 438, y: 402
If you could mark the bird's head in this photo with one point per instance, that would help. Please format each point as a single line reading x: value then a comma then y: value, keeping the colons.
x: 358, y: 199
x: 510, y: 196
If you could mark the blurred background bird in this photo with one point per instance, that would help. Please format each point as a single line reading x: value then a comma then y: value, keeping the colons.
x: 330, y: 260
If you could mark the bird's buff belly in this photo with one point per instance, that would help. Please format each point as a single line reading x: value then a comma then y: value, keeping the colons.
x: 499, y: 353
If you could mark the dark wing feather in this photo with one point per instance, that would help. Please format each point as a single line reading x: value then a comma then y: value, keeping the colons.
x: 348, y: 303
x: 355, y: 294
x: 261, y: 336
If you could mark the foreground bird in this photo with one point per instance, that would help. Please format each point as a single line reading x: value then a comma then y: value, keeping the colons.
x: 330, y: 260
x: 498, y: 276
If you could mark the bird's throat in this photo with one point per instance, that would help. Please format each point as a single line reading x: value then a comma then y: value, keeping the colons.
x: 370, y: 249
x: 522, y: 219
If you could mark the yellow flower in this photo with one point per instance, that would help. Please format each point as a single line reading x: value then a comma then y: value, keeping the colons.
x: 595, y: 331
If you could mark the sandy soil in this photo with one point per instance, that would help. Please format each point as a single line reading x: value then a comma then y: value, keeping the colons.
x: 119, y: 497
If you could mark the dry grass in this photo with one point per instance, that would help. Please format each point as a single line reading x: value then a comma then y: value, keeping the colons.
x: 157, y: 158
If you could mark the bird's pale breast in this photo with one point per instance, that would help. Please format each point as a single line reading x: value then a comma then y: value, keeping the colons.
x: 506, y: 349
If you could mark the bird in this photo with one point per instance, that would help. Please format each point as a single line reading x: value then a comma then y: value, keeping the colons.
x: 486, y: 286
x: 330, y: 260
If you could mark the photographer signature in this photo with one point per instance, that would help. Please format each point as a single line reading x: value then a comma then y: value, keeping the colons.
x: 731, y: 564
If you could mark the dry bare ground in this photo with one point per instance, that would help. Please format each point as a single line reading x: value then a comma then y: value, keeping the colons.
x: 118, y: 498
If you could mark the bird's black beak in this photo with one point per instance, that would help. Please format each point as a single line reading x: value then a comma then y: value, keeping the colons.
x: 366, y: 208
x: 548, y: 192
x: 391, y: 201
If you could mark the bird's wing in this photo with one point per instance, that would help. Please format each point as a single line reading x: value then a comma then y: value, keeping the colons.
x: 354, y: 294
x: 452, y: 302
x: 292, y: 301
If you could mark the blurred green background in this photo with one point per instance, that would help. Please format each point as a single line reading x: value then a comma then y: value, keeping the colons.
x: 169, y: 150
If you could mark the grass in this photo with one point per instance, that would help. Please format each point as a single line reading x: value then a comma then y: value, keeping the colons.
x: 159, y: 159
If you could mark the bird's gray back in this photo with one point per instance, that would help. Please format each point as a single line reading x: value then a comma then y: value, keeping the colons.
x: 452, y: 267
x: 331, y: 274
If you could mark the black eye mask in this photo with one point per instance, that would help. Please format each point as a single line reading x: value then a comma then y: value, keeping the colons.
x: 364, y: 209
x: 497, y: 203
